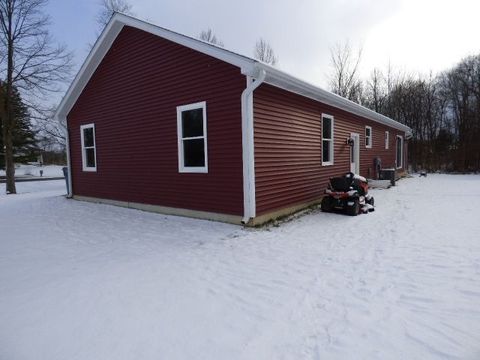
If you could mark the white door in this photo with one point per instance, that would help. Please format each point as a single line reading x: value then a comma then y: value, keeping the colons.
x: 355, y: 153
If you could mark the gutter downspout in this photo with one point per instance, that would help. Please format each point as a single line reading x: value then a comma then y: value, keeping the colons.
x: 69, y: 164
x: 248, y: 152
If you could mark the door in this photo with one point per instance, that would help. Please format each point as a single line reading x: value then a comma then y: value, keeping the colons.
x: 355, y: 153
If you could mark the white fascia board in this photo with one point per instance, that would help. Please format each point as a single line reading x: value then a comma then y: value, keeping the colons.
x: 244, y: 63
x: 290, y: 83
x: 109, y: 34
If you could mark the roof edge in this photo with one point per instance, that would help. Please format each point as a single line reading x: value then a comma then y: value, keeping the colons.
x: 248, y: 66
x: 290, y: 83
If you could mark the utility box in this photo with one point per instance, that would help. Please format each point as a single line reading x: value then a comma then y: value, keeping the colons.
x: 65, y: 174
x: 388, y: 174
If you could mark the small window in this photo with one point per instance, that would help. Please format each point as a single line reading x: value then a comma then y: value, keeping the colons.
x: 399, y: 157
x: 192, y: 138
x: 368, y: 136
x: 89, y: 153
x: 327, y: 140
x: 387, y: 140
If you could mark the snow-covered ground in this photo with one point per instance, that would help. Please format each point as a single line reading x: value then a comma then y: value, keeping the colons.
x: 89, y: 281
x: 33, y: 170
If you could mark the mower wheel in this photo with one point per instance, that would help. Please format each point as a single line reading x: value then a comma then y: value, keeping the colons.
x: 371, y: 201
x: 354, y: 209
x: 326, y: 205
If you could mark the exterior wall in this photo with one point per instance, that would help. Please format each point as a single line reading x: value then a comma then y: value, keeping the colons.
x: 132, y: 99
x: 288, y: 168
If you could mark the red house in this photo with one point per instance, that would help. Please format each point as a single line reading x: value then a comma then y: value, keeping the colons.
x: 163, y: 122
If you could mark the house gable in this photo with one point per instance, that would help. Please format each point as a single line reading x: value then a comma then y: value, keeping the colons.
x: 110, y: 33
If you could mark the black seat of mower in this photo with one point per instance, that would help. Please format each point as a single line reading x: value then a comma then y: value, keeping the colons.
x: 341, y: 183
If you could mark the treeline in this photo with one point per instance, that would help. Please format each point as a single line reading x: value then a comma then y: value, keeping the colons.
x: 443, y: 111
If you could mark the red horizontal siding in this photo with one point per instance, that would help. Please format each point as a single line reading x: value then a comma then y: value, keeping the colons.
x: 132, y: 99
x: 288, y: 168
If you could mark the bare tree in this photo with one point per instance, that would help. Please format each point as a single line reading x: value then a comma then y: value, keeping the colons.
x: 110, y: 7
x: 460, y: 90
x: 209, y: 36
x: 32, y: 64
x: 375, y: 91
x: 264, y: 52
x: 345, y: 79
x: 50, y: 129
x: 443, y: 111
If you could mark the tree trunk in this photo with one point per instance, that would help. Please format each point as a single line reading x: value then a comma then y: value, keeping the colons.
x: 8, y: 126
x: 7, y: 137
x: 9, y: 162
x: 9, y: 123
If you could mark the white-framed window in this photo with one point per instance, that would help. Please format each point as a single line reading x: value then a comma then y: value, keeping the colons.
x: 192, y: 138
x: 368, y: 136
x: 399, y: 150
x: 327, y: 139
x: 387, y: 140
x: 89, y: 152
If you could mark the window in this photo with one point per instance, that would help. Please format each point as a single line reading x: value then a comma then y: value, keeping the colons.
x: 399, y: 159
x: 327, y: 139
x: 368, y: 136
x: 387, y: 140
x: 89, y: 153
x: 192, y: 138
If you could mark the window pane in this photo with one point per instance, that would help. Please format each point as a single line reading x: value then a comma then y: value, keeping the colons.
x: 326, y: 151
x: 90, y: 157
x: 192, y: 123
x: 194, y: 152
x: 367, y: 132
x: 327, y: 128
x: 88, y: 137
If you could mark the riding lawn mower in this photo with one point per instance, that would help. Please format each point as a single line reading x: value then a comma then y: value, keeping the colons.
x: 348, y: 193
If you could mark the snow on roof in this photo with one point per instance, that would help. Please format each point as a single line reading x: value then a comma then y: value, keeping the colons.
x: 248, y: 66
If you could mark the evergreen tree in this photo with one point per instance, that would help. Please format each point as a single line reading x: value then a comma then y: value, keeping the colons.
x: 24, y: 143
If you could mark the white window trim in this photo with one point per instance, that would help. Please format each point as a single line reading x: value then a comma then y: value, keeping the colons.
x: 331, y: 141
x: 370, y: 138
x: 387, y: 140
x: 401, y: 153
x: 181, y: 167
x: 84, y: 158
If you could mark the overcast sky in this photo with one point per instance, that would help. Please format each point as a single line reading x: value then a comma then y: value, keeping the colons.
x: 414, y: 35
